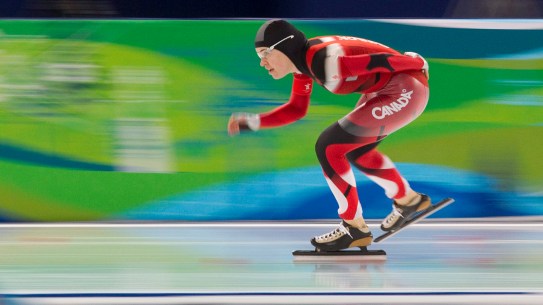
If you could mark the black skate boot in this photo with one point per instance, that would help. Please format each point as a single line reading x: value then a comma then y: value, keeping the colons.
x: 345, y: 236
x: 401, y: 213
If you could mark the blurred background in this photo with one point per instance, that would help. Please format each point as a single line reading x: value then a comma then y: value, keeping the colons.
x: 117, y: 110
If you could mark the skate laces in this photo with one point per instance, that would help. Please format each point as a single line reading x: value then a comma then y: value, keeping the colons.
x: 335, y: 234
x: 394, y: 215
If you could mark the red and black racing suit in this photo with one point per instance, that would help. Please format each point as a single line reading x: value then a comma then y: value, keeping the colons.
x: 394, y: 93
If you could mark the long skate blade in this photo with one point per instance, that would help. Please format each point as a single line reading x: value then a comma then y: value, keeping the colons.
x: 344, y: 255
x: 429, y: 211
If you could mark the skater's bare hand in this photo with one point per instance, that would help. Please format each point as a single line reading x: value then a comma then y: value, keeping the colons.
x: 243, y: 121
x: 233, y: 125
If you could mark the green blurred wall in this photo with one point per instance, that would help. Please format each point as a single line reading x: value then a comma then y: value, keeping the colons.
x: 101, y: 117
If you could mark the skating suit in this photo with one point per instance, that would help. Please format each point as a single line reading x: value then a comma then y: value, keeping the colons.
x: 394, y: 92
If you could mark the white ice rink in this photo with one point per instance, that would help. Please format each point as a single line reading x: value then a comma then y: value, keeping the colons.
x: 448, y: 262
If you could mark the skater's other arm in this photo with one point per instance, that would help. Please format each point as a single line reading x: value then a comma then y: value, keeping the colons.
x: 291, y: 111
x: 365, y: 64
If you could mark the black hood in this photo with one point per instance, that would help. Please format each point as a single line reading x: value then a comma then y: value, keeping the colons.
x: 295, y: 48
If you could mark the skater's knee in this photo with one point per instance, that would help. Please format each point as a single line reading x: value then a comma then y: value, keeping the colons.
x: 324, y: 140
x: 320, y: 148
x: 371, y: 159
x: 365, y: 155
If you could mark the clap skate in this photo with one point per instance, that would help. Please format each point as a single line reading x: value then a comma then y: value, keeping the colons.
x: 402, y: 213
x: 333, y: 245
x: 403, y: 219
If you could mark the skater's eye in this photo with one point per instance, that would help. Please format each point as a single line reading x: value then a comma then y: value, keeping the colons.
x: 267, y: 51
x: 264, y: 54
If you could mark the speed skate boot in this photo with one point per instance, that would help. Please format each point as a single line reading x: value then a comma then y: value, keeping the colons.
x: 343, y: 237
x: 402, y: 213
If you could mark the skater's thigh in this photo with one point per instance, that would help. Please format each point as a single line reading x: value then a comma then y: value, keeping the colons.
x: 383, y: 112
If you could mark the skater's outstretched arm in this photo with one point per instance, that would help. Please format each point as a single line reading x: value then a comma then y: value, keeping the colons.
x: 293, y: 110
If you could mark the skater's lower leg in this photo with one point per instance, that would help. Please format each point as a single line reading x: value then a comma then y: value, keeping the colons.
x: 358, y: 223
x: 410, y: 198
x: 332, y: 148
x: 382, y: 171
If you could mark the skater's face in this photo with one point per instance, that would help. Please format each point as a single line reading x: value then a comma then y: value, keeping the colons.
x: 276, y: 62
